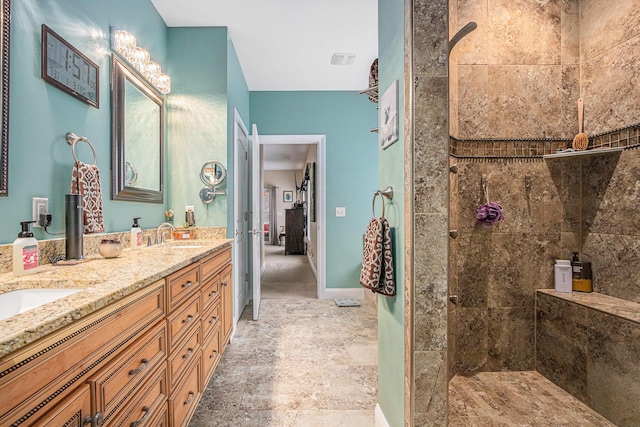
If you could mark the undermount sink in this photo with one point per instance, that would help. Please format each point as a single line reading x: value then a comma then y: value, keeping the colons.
x: 21, y: 300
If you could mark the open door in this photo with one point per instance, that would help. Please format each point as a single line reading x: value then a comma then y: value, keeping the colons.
x: 256, y: 220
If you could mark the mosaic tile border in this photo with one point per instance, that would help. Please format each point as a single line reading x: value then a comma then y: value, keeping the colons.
x: 628, y: 137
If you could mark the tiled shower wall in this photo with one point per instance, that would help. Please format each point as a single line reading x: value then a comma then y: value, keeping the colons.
x: 519, y: 78
x: 497, y: 269
x: 518, y: 73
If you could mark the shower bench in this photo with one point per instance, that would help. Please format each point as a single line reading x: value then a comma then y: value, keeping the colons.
x: 589, y: 345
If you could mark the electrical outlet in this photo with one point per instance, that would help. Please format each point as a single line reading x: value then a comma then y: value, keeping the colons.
x: 39, y: 206
x: 341, y: 211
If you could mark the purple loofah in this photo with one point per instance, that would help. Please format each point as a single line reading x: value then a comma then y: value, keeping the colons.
x: 489, y: 213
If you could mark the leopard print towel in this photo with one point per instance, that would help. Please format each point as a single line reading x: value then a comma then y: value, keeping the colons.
x: 85, y: 180
x: 377, y: 258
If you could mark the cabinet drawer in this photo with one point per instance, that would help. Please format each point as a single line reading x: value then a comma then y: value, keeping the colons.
x: 162, y: 417
x: 147, y: 402
x: 70, y: 412
x: 185, y: 398
x: 210, y: 356
x: 180, y: 322
x: 183, y: 355
x: 52, y: 366
x: 115, y: 382
x: 181, y: 285
x: 215, y: 262
x: 210, y: 319
x: 211, y: 291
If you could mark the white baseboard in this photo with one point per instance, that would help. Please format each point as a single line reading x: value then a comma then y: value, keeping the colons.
x: 381, y: 421
x: 313, y: 267
x: 333, y: 293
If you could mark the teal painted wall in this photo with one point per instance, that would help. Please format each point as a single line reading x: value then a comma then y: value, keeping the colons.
x: 197, y: 118
x: 391, y: 172
x: 40, y: 160
x: 352, y: 163
x: 238, y: 97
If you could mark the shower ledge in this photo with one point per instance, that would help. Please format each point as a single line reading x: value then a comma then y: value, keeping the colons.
x: 624, y: 309
x: 585, y: 153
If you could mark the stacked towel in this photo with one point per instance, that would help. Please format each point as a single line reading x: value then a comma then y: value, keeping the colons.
x: 85, y: 180
x: 377, y: 258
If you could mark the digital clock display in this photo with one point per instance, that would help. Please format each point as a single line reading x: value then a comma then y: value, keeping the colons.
x: 66, y: 68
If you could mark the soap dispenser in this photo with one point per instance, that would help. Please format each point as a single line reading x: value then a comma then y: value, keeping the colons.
x: 136, y: 234
x: 25, y: 251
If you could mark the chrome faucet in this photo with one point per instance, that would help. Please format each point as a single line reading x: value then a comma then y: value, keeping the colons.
x: 160, y: 235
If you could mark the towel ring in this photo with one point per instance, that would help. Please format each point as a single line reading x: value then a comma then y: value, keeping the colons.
x: 373, y: 204
x: 387, y: 192
x: 72, y: 138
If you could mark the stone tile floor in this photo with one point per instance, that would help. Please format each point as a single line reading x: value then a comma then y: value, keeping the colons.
x: 305, y: 362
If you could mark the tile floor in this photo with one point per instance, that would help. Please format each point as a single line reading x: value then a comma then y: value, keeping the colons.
x: 305, y: 362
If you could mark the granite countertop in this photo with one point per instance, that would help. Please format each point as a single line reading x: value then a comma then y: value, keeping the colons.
x: 628, y: 310
x: 102, y: 281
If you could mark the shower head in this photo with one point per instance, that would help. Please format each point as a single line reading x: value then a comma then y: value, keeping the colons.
x: 461, y: 33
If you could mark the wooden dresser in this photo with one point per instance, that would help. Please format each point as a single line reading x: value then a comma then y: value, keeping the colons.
x: 294, y: 240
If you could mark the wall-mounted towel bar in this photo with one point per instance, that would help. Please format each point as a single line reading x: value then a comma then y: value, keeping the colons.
x: 72, y: 139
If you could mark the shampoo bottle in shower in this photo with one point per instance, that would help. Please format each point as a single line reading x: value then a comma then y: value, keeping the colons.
x: 136, y: 234
x: 563, y: 276
x: 581, y: 271
x: 25, y: 251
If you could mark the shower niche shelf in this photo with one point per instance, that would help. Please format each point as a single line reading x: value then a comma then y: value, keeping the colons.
x: 585, y: 153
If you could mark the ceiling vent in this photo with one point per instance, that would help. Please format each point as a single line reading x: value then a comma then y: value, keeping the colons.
x: 344, y: 58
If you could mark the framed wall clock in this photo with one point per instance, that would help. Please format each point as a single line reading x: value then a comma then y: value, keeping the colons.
x: 68, y: 69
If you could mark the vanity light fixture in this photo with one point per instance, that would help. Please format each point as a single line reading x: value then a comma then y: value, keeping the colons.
x: 125, y: 44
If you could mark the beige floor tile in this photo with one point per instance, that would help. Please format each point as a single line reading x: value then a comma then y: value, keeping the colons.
x: 304, y: 363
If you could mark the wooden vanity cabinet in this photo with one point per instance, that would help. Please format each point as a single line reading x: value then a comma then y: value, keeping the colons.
x: 39, y: 377
x: 143, y: 360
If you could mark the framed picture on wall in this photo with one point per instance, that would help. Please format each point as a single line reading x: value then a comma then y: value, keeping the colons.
x: 287, y: 196
x: 389, y: 130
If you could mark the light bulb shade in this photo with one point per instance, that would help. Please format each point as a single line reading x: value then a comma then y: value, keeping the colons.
x: 140, y: 59
x: 164, y: 84
x: 123, y: 42
x: 152, y: 72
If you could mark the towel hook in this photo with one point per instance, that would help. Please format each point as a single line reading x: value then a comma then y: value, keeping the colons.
x: 72, y: 138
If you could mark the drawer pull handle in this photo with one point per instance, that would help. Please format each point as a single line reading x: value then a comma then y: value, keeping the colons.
x: 212, y: 294
x: 213, y: 354
x: 225, y: 283
x: 142, y: 367
x: 213, y: 319
x: 188, y: 319
x: 187, y: 284
x: 95, y: 421
x: 188, y: 353
x: 145, y: 409
x: 192, y: 396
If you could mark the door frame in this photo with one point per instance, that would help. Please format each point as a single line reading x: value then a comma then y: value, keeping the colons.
x: 238, y: 306
x: 321, y: 195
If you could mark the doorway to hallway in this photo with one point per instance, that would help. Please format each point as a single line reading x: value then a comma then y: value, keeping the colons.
x: 286, y: 276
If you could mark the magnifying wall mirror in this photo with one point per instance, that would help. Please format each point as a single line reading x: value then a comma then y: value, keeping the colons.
x: 213, y: 174
x: 137, y: 136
